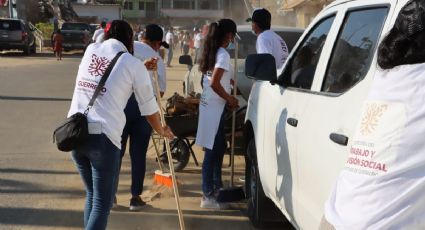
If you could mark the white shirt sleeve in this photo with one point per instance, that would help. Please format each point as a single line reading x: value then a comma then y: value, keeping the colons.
x: 222, y: 60
x: 143, y: 90
x: 264, y: 45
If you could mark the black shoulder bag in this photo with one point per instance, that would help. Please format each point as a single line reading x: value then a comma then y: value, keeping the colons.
x: 74, y: 131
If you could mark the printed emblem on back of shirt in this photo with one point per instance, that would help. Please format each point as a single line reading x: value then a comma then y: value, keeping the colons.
x: 98, y: 65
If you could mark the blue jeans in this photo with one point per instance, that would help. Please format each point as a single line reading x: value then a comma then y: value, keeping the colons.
x: 213, y: 160
x: 139, y: 131
x: 97, y: 161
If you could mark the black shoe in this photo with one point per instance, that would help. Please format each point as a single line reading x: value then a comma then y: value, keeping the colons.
x: 136, y: 203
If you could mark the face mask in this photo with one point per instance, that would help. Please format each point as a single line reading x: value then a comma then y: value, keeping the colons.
x: 253, y: 32
x: 231, y: 46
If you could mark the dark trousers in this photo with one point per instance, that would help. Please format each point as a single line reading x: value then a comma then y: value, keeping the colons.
x: 138, y: 130
x: 213, y: 161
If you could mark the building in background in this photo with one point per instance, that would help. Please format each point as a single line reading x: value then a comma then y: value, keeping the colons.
x: 182, y: 13
x: 97, y: 11
x: 304, y: 10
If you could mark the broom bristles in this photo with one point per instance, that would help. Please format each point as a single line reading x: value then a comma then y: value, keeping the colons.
x: 163, y: 179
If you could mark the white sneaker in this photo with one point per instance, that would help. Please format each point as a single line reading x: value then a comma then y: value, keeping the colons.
x: 211, y: 203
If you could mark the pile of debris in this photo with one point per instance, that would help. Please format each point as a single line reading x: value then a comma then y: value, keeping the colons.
x: 179, y: 105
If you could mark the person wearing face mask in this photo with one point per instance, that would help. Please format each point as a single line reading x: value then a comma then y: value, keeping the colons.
x: 217, y: 73
x: 268, y: 42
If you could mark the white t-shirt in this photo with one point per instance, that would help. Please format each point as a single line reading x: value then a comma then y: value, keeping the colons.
x: 143, y: 52
x: 128, y: 75
x: 197, y: 42
x: 383, y: 183
x: 212, y: 105
x: 97, y: 34
x: 169, y: 38
x: 268, y: 42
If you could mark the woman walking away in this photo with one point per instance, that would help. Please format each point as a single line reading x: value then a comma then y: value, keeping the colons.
x: 217, y: 73
x: 389, y: 184
x: 98, y: 158
x: 57, y: 44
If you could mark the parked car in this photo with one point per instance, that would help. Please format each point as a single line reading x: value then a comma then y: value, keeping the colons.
x: 299, y: 128
x: 17, y: 34
x: 76, y: 35
x: 192, y: 82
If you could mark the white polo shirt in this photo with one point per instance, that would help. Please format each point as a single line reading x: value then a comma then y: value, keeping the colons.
x: 143, y: 52
x: 197, y: 42
x: 169, y: 38
x: 383, y: 183
x: 268, y: 42
x: 128, y: 75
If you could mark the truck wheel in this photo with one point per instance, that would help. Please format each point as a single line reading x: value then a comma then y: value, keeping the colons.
x: 33, y: 48
x: 27, y: 50
x: 261, y: 210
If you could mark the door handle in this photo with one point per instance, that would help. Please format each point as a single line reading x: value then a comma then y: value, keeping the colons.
x: 339, y: 139
x: 292, y: 122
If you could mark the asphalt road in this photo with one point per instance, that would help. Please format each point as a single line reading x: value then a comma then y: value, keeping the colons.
x: 40, y: 187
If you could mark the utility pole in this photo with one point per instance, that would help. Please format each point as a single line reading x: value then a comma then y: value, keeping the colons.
x: 10, y: 9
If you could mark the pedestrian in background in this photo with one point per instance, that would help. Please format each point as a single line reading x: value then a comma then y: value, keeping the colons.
x: 268, y: 42
x: 137, y: 127
x: 99, y: 34
x: 383, y: 187
x: 97, y: 159
x: 217, y: 73
x: 57, y: 44
x: 186, y: 43
x: 169, y: 38
x: 197, y: 38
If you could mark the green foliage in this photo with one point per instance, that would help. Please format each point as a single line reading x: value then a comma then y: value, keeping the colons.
x: 46, y: 28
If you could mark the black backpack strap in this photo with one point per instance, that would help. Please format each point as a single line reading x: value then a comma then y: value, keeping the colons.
x: 103, y: 81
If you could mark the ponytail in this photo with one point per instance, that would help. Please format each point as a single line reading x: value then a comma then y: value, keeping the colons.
x: 216, y: 34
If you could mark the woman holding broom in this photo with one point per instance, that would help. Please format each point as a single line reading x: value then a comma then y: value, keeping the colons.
x: 216, y: 82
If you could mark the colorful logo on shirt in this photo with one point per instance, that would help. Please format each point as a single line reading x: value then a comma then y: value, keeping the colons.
x: 98, y: 65
x: 371, y: 118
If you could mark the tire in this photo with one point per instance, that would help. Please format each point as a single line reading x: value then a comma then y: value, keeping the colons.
x: 179, y: 152
x: 33, y: 48
x: 262, y: 212
x: 27, y: 50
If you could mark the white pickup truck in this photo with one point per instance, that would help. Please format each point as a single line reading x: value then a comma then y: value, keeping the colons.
x: 300, y: 122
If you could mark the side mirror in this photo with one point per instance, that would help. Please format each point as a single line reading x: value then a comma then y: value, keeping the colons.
x: 186, y: 60
x: 261, y: 67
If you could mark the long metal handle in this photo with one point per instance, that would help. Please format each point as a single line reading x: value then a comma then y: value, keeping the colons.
x: 170, y: 159
x: 158, y: 157
x: 235, y: 90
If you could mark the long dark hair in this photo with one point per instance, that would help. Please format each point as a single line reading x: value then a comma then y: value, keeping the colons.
x: 405, y: 44
x: 216, y: 34
x: 121, y: 31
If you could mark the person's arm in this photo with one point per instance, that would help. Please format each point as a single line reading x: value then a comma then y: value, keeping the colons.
x: 155, y: 121
x: 162, y: 76
x: 220, y: 91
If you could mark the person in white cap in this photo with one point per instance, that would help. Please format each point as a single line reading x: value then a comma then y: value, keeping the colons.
x: 268, y: 41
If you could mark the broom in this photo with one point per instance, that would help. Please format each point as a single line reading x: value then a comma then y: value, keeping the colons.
x: 232, y: 193
x: 160, y: 176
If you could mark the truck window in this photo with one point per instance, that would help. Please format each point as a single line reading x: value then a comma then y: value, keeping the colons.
x: 10, y: 25
x: 299, y: 72
x: 354, y: 49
